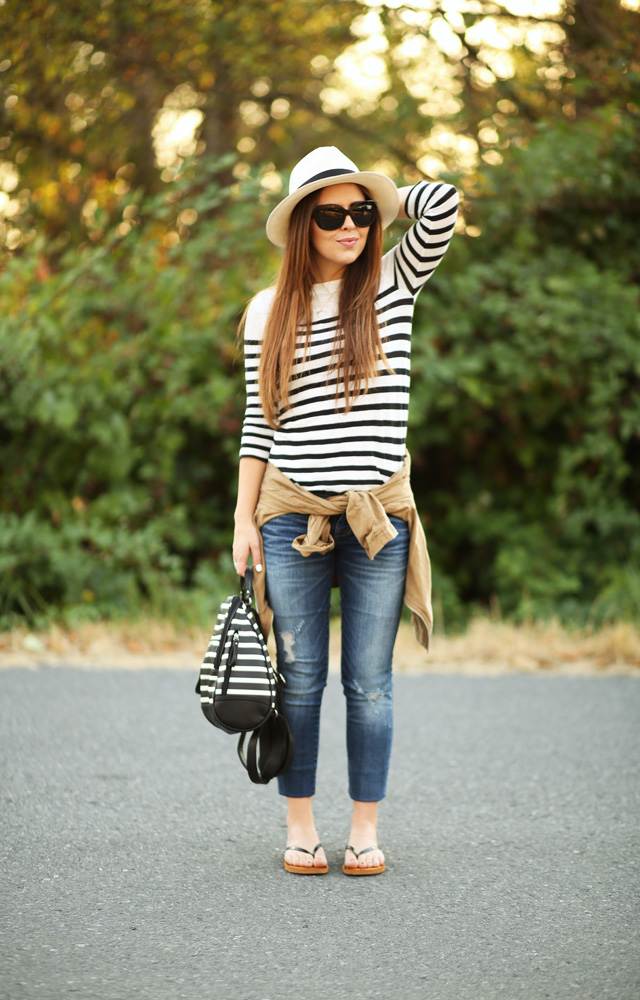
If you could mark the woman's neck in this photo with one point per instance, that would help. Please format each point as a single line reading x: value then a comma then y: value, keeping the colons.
x: 325, y: 270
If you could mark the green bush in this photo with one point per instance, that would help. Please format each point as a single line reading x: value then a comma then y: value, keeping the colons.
x: 121, y: 397
x: 525, y: 413
x: 121, y: 404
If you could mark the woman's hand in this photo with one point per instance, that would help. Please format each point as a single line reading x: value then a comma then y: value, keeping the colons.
x: 246, y: 542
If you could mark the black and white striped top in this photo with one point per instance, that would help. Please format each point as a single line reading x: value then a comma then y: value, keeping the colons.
x: 317, y: 444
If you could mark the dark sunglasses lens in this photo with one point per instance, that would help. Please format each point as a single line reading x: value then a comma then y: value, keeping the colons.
x: 363, y: 214
x: 329, y: 216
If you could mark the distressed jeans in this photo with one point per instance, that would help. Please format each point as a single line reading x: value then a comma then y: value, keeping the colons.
x: 371, y: 594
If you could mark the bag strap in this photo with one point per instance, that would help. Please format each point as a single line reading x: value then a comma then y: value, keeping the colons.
x: 215, y: 666
x: 246, y: 586
x: 274, y: 740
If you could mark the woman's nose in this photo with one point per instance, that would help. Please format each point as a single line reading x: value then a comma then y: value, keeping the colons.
x: 348, y: 223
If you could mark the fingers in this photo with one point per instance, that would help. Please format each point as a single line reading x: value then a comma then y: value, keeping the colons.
x: 241, y: 565
x: 241, y: 568
x: 244, y: 548
x: 240, y: 555
x: 255, y: 555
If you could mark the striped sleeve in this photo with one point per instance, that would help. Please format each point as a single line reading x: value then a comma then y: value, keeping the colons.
x: 435, y: 206
x: 257, y: 435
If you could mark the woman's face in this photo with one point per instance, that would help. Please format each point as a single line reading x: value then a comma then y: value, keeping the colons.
x: 335, y: 249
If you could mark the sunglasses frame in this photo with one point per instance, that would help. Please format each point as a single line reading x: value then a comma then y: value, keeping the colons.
x: 345, y: 212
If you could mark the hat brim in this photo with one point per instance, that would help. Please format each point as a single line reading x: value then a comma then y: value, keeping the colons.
x: 381, y: 188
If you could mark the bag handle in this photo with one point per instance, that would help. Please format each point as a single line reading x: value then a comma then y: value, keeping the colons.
x: 274, y: 739
x: 246, y: 586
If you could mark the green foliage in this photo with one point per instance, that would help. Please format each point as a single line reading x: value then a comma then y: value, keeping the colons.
x: 82, y: 86
x: 121, y: 392
x: 525, y: 418
x: 122, y: 400
x: 121, y: 403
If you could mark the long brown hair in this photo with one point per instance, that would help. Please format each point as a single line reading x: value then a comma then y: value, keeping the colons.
x: 291, y: 313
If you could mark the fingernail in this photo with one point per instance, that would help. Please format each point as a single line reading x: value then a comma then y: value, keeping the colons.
x: 259, y: 568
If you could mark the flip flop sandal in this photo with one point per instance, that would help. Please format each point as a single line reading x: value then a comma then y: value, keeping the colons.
x: 362, y: 871
x: 306, y: 870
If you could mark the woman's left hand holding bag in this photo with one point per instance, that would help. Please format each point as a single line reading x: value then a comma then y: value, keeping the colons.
x: 246, y: 540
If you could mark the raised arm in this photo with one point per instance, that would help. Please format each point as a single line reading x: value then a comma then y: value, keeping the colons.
x: 434, y: 206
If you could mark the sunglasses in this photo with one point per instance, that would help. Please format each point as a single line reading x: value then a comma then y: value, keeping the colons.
x: 363, y: 214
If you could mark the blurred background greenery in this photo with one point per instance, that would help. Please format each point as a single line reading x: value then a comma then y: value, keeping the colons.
x: 142, y: 144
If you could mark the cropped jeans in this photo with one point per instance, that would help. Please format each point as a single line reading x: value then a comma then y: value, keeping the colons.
x: 371, y: 593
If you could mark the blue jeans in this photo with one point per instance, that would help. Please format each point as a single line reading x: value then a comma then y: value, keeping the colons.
x: 371, y: 593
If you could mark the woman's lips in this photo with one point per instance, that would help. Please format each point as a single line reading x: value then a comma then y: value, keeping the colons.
x: 348, y: 241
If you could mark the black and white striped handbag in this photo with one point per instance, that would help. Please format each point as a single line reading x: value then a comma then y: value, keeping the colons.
x: 240, y: 689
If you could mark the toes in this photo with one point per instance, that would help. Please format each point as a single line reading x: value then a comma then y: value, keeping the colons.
x: 373, y: 859
x: 298, y: 860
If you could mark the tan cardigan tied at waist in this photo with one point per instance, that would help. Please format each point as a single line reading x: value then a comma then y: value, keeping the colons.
x: 366, y: 512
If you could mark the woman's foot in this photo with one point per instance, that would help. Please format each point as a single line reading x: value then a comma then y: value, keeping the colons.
x: 364, y: 834
x: 298, y: 855
x: 363, y: 854
x: 302, y: 833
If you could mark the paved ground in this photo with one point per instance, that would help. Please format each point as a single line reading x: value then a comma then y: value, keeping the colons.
x: 139, y: 862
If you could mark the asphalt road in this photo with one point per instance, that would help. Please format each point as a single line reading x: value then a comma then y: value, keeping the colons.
x: 139, y: 861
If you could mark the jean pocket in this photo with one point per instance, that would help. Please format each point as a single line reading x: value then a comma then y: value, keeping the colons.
x: 285, y: 527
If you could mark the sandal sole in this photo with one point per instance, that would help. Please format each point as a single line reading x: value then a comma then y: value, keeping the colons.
x: 378, y: 870
x: 307, y: 870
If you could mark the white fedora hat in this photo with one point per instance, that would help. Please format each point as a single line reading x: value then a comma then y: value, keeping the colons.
x: 320, y: 168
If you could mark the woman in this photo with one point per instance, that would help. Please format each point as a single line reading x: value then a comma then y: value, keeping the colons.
x: 324, y: 487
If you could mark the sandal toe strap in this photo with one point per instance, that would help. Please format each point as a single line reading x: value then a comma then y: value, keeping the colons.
x: 365, y: 850
x: 303, y: 850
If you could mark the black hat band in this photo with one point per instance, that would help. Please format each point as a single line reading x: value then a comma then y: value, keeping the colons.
x: 326, y: 173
